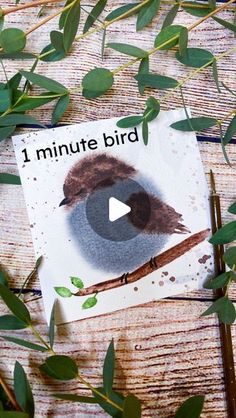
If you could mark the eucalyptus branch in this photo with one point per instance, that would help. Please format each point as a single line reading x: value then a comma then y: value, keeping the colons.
x: 100, y: 27
x: 173, y: 38
x: 197, y: 71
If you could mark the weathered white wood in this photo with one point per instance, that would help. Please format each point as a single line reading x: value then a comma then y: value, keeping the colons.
x: 165, y: 353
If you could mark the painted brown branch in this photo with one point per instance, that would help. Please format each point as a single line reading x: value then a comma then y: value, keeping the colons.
x: 160, y: 261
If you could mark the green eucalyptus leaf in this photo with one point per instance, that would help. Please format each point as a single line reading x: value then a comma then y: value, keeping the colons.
x: 152, y: 103
x: 12, y: 40
x: 116, y: 397
x: 156, y: 81
x: 224, y: 23
x: 52, y: 55
x: 3, y: 275
x: 93, y: 94
x: 183, y: 41
x: 57, y: 41
x: 132, y: 407
x: 32, y: 102
x: 74, y: 398
x: 195, y: 57
x: 44, y: 82
x: 218, y: 282
x: 71, y: 25
x: 200, y: 11
x: 24, y: 343
x: 14, y: 82
x: 143, y: 69
x: 224, y: 308
x: 60, y: 108
x: 51, y: 330
x: 147, y: 13
x: 63, y: 367
x: 16, y: 306
x: 6, y: 132
x: 14, y: 414
x: 228, y: 314
x: 232, y: 208
x: 150, y: 114
x: 215, y: 74
x: 64, y: 14
x: 230, y: 132
x: 5, y: 99
x: 145, y: 131
x: 108, y: 369
x: 77, y: 282
x: 191, y: 408
x: 90, y: 302
x: 230, y: 257
x: 94, y: 14
x: 6, y: 178
x: 197, y: 124
x: 17, y: 56
x: 115, y: 14
x: 97, y: 80
x: 129, y: 122
x: 168, y: 37
x: 170, y: 17
x: 134, y: 51
x: 19, y: 119
x: 11, y: 322
x: 225, y: 234
x: 1, y: 22
x: 22, y: 390
x: 64, y: 292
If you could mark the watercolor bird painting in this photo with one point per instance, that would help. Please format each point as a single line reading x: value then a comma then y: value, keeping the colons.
x: 103, y: 175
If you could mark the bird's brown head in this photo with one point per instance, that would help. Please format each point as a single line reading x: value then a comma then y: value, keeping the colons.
x: 99, y: 171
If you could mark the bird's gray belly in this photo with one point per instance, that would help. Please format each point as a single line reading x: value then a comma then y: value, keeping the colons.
x: 112, y: 256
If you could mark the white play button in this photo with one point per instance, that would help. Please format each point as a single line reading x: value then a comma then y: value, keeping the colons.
x: 117, y: 209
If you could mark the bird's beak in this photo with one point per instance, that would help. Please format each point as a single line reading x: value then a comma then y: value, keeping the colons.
x: 65, y: 201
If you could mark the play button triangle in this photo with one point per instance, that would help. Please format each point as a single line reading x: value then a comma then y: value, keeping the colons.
x: 117, y: 209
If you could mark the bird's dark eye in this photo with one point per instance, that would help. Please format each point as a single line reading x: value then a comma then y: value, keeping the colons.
x: 79, y: 192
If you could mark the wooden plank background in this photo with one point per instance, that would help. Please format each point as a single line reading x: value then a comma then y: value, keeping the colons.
x: 165, y: 351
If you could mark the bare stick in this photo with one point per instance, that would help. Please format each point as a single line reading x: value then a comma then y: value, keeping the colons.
x: 159, y: 261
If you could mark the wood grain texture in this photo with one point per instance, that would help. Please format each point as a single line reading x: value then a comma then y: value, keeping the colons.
x: 165, y: 352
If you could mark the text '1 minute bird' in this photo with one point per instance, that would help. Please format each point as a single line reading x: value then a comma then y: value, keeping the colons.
x: 82, y: 145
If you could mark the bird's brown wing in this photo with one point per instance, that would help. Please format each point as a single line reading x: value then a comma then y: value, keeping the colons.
x: 153, y: 216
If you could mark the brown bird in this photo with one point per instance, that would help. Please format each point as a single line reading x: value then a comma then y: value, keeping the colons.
x: 151, y: 220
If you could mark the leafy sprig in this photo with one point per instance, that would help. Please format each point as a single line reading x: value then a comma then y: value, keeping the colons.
x: 223, y: 306
x: 64, y: 368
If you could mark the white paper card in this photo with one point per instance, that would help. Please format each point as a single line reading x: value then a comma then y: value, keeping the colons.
x: 69, y: 173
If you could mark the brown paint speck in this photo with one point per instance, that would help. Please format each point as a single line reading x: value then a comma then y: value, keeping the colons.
x: 161, y: 283
x: 136, y: 289
x: 172, y: 279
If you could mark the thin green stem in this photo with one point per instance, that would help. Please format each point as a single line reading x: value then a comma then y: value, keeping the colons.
x: 98, y: 393
x: 41, y: 339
